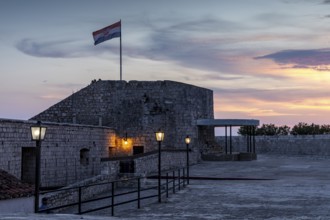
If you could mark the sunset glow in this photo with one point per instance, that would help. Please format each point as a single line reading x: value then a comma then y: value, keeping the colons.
x: 267, y: 60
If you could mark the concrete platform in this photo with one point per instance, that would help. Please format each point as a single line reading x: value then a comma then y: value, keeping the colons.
x: 300, y: 190
x: 235, y: 156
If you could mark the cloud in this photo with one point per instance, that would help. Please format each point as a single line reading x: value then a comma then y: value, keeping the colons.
x: 60, y: 48
x: 195, y: 44
x: 178, y: 44
x: 44, y: 49
x: 289, y: 95
x: 326, y: 1
x: 317, y: 59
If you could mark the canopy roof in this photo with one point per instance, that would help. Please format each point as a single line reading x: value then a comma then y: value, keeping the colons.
x: 227, y: 122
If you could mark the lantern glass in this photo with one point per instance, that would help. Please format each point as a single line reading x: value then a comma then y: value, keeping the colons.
x: 38, y: 133
x: 187, y: 140
x: 160, y: 136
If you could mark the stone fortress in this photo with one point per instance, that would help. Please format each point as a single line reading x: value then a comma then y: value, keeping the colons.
x: 138, y: 109
x: 106, y: 123
x: 109, y: 127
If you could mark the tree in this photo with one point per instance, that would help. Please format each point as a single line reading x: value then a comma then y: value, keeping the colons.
x: 325, y: 129
x: 283, y: 130
x: 303, y: 128
x: 243, y: 130
x: 267, y: 129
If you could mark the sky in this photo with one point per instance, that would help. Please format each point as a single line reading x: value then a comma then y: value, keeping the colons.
x: 264, y: 59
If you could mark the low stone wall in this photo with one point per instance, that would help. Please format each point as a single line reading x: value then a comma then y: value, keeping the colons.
x: 146, y: 164
x: 169, y: 160
x: 70, y: 194
x: 286, y: 145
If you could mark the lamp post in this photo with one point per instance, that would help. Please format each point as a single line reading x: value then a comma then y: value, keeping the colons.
x: 159, y: 138
x: 125, y: 139
x: 187, y: 140
x: 38, y: 134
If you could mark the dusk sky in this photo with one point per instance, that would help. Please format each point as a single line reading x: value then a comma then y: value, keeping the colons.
x: 264, y: 59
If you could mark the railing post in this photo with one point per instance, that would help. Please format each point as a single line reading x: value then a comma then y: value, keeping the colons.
x: 79, y: 200
x: 167, y: 185
x: 183, y: 175
x: 179, y: 173
x: 112, y: 198
x: 173, y: 181
x: 139, y: 193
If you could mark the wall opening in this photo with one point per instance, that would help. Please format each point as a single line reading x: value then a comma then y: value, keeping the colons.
x: 127, y: 166
x: 84, y: 156
x: 28, y: 167
x: 138, y: 150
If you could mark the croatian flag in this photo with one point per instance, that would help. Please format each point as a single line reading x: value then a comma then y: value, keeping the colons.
x: 107, y: 33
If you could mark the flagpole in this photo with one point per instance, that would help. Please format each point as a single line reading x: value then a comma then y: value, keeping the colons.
x: 120, y: 54
x: 108, y: 33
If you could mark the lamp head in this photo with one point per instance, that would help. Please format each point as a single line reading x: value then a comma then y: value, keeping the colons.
x: 187, y: 139
x: 38, y: 132
x: 160, y: 135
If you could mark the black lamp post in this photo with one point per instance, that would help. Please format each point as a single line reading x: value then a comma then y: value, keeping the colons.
x: 38, y: 134
x: 187, y: 140
x: 159, y: 138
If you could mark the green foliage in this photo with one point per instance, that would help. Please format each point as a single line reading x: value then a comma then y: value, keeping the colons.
x: 267, y: 129
x: 243, y: 130
x: 283, y: 130
x: 310, y: 129
x: 325, y: 129
x: 301, y: 128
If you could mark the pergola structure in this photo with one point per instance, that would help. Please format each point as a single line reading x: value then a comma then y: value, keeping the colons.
x: 250, y: 124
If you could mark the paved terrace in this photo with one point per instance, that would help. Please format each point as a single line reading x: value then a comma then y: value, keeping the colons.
x: 297, y: 188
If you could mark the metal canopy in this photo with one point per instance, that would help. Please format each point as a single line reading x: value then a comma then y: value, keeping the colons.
x: 251, y: 125
x: 227, y: 122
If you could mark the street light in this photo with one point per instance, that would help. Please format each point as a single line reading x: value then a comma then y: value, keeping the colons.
x: 38, y: 134
x: 125, y: 139
x: 187, y: 140
x: 159, y: 138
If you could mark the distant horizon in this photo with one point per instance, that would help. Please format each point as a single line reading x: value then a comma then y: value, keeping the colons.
x: 266, y: 60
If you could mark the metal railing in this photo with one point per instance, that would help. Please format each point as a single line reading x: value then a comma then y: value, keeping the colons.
x: 115, y: 194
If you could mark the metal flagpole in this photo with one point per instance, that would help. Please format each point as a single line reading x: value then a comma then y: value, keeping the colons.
x: 120, y: 54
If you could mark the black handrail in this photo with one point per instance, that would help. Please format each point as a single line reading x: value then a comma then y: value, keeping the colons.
x: 173, y: 176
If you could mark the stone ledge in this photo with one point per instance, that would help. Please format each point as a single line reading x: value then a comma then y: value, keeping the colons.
x: 241, y: 156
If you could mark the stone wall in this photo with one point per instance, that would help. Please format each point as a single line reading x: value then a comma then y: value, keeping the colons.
x: 61, y: 158
x: 144, y: 166
x: 70, y: 194
x: 148, y: 164
x: 169, y: 160
x: 92, y: 123
x: 138, y: 108
x: 71, y: 152
x: 286, y: 145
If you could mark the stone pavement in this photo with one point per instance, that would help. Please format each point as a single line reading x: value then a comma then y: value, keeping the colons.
x: 299, y: 189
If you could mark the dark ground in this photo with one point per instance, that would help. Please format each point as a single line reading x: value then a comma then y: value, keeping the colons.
x: 299, y: 189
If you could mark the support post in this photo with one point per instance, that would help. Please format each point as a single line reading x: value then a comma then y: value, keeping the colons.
x: 121, y: 78
x: 230, y: 140
x: 187, y: 164
x: 226, y: 140
x: 37, y: 178
x: 159, y: 172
